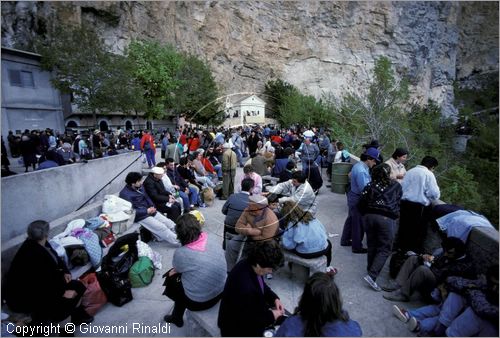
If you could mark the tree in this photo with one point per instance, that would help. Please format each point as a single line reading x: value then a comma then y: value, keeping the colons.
x: 155, y: 70
x: 196, y: 95
x: 275, y: 92
x: 379, y: 113
x: 83, y: 66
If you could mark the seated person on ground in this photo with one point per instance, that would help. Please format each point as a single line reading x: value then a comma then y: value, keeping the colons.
x: 39, y: 283
x: 199, y: 263
x: 249, y: 172
x: 145, y: 212
x: 469, y: 309
x: 202, y: 176
x: 163, y: 200
x: 304, y: 235
x: 320, y: 312
x: 256, y: 223
x: 287, y: 173
x: 297, y: 190
x: 425, y: 272
x: 248, y: 305
x: 188, y: 192
x: 233, y: 208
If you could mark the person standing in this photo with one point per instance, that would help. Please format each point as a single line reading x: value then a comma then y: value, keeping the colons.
x: 148, y: 147
x: 309, y: 151
x: 396, y: 162
x: 380, y: 206
x: 420, y: 188
x: 229, y: 165
x: 353, y: 233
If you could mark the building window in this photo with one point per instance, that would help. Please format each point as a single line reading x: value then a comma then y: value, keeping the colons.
x: 21, y: 78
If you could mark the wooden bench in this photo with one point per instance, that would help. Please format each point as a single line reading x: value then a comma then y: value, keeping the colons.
x: 203, y: 323
x: 312, y: 264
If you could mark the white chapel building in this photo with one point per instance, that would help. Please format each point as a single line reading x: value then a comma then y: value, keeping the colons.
x: 247, y: 110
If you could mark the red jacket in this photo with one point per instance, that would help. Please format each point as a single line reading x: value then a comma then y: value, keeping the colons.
x: 148, y: 138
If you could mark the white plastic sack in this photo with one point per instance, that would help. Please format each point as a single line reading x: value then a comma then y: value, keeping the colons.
x: 116, y: 208
x: 145, y: 250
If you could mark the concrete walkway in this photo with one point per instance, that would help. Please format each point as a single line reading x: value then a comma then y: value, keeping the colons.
x: 364, y: 305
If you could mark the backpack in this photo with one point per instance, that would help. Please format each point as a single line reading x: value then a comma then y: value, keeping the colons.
x: 141, y: 273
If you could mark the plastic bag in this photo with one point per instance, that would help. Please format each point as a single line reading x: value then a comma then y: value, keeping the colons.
x: 93, y: 298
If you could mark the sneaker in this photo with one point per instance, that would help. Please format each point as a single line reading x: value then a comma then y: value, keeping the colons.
x: 401, y: 313
x: 391, y: 285
x: 395, y: 296
x: 413, y: 324
x: 372, y: 283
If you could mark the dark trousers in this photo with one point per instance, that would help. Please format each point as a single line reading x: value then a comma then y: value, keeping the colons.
x: 380, y: 232
x: 353, y: 226
x: 60, y: 308
x: 183, y: 302
x: 326, y: 252
x: 228, y: 177
x: 173, y: 212
x: 414, y: 276
x: 412, y: 226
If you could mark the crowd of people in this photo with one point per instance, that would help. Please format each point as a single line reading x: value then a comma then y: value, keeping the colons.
x: 387, y: 203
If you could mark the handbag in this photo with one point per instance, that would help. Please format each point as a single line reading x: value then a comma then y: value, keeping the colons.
x: 93, y: 298
x: 117, y: 289
x: 173, y: 285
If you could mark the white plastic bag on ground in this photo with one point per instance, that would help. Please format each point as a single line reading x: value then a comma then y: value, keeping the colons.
x: 145, y: 250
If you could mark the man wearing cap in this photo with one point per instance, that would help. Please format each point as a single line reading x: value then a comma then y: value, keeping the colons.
x: 163, y: 200
x: 145, y: 211
x: 256, y: 223
x: 353, y: 232
x: 229, y: 165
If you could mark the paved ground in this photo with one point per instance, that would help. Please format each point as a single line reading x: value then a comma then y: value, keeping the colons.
x: 363, y: 304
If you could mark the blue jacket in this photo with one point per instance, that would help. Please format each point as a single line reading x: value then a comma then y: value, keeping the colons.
x: 233, y: 208
x: 139, y: 199
x: 294, y: 327
x: 305, y: 238
x: 360, y: 177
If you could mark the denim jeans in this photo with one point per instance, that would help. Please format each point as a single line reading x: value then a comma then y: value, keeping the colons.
x: 150, y: 157
x: 353, y: 226
x: 218, y: 169
x: 239, y: 156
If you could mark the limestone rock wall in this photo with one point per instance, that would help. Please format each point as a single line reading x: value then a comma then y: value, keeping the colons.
x: 320, y: 47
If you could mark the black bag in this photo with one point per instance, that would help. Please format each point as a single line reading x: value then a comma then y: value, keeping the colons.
x: 146, y: 235
x: 173, y: 285
x: 115, y: 266
x: 117, y: 289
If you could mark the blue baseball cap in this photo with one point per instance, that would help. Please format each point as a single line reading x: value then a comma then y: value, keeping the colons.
x: 373, y: 153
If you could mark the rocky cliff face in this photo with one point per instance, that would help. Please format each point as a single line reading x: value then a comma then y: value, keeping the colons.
x: 319, y: 47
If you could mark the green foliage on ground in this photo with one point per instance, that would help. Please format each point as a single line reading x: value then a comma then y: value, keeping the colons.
x: 384, y: 112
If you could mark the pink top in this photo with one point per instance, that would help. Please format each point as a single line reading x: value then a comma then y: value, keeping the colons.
x: 200, y: 243
x: 257, y: 189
